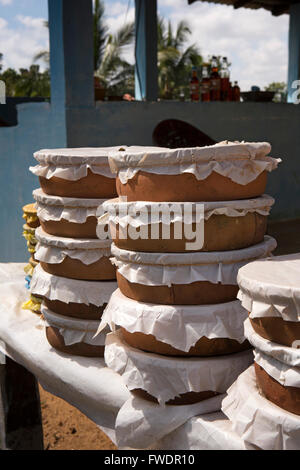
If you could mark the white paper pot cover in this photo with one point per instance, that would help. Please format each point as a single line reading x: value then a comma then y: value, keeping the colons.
x: 258, y: 421
x: 53, y: 250
x: 241, y: 162
x: 271, y: 288
x: 178, y: 325
x: 135, y: 213
x: 75, y: 210
x: 166, y: 378
x: 154, y: 269
x: 284, y: 354
x: 74, y: 331
x: 71, y: 290
x: 72, y: 164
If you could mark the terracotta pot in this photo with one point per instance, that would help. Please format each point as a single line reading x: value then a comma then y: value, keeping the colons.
x: 197, y: 293
x: 184, y: 399
x: 63, y: 228
x: 56, y: 340
x: 71, y: 268
x: 185, y: 187
x: 277, y: 330
x: 93, y: 186
x: 81, y: 311
x: 221, y: 233
x: 203, y: 347
x: 287, y: 398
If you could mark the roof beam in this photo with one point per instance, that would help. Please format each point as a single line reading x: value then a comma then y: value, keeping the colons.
x: 241, y: 3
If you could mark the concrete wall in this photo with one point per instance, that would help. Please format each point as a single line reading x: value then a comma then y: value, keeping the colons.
x: 37, y: 128
x: 123, y: 123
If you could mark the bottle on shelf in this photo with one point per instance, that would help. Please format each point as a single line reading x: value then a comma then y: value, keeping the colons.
x: 225, y: 76
x: 236, y: 92
x: 205, y: 84
x: 215, y: 81
x: 194, y: 85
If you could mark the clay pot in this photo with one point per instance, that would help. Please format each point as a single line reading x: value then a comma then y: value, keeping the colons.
x: 221, y: 233
x: 196, y: 293
x: 146, y: 186
x: 277, y: 330
x: 56, y: 340
x: 92, y: 186
x: 80, y: 311
x: 63, y: 228
x: 203, y: 347
x: 184, y: 399
x: 101, y: 270
x: 287, y: 398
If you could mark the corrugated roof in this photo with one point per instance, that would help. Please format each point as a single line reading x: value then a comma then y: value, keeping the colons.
x: 276, y: 7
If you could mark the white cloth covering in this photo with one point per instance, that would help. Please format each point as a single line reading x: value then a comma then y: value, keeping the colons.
x: 258, y: 421
x: 285, y: 354
x: 75, y: 210
x: 271, y: 287
x: 73, y: 164
x: 53, y: 250
x: 177, y: 325
x: 185, y: 268
x: 242, y: 162
x: 140, y: 213
x: 74, y: 330
x: 167, y: 377
x: 286, y: 375
x: 71, y: 290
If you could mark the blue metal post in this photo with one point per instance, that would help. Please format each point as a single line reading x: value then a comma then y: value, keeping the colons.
x: 71, y: 56
x: 146, y: 84
x: 294, y: 51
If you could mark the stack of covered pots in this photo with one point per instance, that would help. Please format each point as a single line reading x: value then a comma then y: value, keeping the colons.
x: 264, y: 403
x: 185, y: 222
x: 75, y: 277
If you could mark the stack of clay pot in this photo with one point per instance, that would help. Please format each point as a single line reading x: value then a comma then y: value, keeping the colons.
x: 270, y: 415
x: 31, y: 224
x: 75, y: 277
x: 178, y: 334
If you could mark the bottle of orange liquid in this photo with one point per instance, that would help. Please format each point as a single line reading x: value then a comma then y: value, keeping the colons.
x: 224, y: 73
x: 215, y: 81
x: 194, y: 86
x: 205, y: 84
x: 236, y: 92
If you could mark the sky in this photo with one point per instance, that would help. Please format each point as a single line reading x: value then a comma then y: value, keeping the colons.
x: 255, y: 42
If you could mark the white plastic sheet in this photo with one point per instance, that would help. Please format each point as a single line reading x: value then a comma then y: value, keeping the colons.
x: 185, y: 268
x: 258, y: 421
x: 178, y: 325
x: 168, y: 377
x: 270, y: 288
x: 71, y: 290
x: 241, y: 162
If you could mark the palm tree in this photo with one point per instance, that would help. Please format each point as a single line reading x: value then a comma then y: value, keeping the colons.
x: 114, y: 72
x: 100, y: 33
x: 44, y: 54
x: 1, y: 58
x: 175, y: 61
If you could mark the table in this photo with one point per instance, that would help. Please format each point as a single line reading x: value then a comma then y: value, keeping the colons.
x: 85, y: 383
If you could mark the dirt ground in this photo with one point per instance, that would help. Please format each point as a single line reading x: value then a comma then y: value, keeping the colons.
x: 65, y: 428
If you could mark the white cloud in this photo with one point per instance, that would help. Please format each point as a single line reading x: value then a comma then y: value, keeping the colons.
x: 21, y: 44
x: 254, y: 41
x: 6, y: 2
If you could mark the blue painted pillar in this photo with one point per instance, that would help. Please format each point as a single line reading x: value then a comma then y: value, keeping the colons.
x: 71, y: 58
x: 294, y: 50
x: 146, y: 74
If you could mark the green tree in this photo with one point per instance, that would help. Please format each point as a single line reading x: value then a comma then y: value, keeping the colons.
x: 280, y: 89
x: 175, y: 58
x: 1, y: 59
x: 100, y: 33
x: 115, y: 73
x: 27, y: 82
